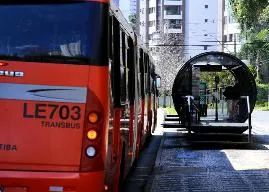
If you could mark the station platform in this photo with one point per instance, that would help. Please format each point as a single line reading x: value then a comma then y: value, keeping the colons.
x: 207, y: 124
x: 175, y: 162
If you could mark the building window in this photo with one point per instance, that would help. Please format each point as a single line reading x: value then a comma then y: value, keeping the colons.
x: 173, y: 10
x: 206, y: 20
x: 206, y: 6
x: 225, y: 38
x: 205, y: 47
x: 152, y: 10
x: 175, y: 24
x: 236, y: 37
x: 205, y: 35
x: 230, y: 37
x: 151, y: 23
x: 158, y: 24
x: 225, y: 19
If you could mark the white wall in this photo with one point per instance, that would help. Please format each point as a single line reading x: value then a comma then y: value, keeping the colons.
x: 167, y: 2
x: 231, y: 27
x: 152, y: 16
x: 142, y: 12
x: 199, y: 32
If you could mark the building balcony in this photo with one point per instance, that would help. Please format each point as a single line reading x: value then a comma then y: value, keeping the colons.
x: 152, y: 16
x: 171, y: 16
x: 171, y: 30
x: 153, y: 43
x: 152, y: 29
x: 172, y: 2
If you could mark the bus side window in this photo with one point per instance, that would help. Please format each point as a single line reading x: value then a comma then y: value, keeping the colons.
x: 110, y: 37
x: 147, y: 81
x: 142, y: 73
x: 119, y: 64
x: 145, y: 73
x: 131, y: 72
x: 150, y: 80
x: 110, y: 44
x: 115, y: 67
x: 123, y: 69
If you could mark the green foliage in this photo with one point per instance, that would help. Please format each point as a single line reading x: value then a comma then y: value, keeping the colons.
x: 133, y: 20
x: 226, y: 78
x: 252, y: 70
x: 248, y: 12
x: 263, y: 106
x: 262, y: 90
x: 253, y: 18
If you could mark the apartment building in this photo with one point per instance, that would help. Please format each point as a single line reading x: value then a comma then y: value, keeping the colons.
x: 133, y: 6
x: 196, y: 25
x: 231, y: 41
x: 203, y: 26
x: 158, y: 17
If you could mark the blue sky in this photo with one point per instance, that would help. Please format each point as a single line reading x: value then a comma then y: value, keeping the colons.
x: 124, y: 7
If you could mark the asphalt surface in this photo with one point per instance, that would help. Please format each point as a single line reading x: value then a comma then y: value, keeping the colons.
x: 172, y: 162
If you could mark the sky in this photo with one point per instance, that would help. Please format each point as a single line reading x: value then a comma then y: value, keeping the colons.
x: 124, y: 7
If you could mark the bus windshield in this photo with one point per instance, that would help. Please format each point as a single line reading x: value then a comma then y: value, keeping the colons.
x: 58, y: 33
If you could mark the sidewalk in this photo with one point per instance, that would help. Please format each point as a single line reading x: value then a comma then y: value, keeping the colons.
x: 204, y: 169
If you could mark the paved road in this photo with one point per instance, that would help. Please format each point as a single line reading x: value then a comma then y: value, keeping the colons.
x: 260, y: 121
x: 184, y: 166
x: 208, y: 169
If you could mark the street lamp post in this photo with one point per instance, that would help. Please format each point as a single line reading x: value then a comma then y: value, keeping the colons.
x: 216, y: 98
x: 268, y: 97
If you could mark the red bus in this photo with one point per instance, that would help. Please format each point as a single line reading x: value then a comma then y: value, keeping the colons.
x: 77, y: 96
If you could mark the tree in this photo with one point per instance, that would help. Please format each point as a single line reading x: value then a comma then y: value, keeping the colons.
x: 248, y: 12
x: 226, y: 79
x: 253, y: 18
x: 169, y: 58
x: 133, y: 20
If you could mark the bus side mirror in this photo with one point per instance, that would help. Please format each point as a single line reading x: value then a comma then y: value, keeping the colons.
x: 158, y: 82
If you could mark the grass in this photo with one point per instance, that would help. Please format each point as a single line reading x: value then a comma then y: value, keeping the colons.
x: 261, y: 106
x: 170, y: 110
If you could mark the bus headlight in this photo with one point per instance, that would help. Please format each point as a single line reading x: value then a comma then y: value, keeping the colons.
x: 91, y: 151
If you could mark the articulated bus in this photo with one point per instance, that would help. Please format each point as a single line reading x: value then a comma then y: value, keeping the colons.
x: 77, y: 96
